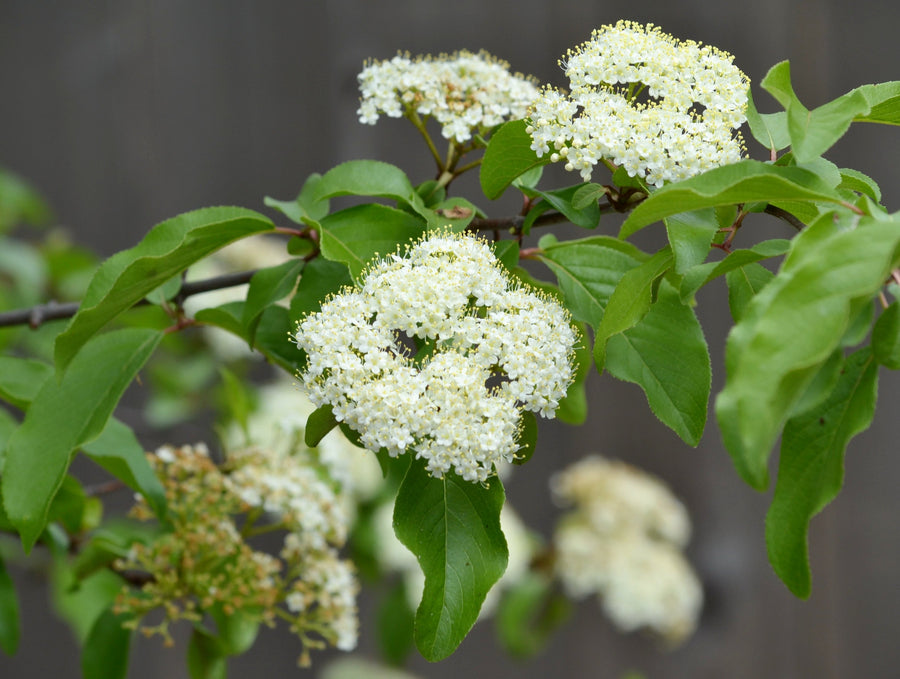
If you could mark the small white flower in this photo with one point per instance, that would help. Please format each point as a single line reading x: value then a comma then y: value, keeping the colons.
x: 473, y: 324
x: 466, y: 93
x: 696, y: 99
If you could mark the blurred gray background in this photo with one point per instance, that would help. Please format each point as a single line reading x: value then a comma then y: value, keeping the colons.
x: 126, y: 113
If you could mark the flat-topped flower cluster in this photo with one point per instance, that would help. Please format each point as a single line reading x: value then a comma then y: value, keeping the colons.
x: 695, y: 98
x: 466, y: 93
x: 486, y: 349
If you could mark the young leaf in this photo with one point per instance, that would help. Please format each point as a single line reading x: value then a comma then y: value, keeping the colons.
x: 792, y: 326
x: 105, y: 653
x: 9, y: 613
x: 812, y: 132
x: 745, y: 182
x: 587, y: 216
x: 453, y: 528
x: 127, y: 277
x: 698, y: 276
x: 769, y: 129
x: 268, y: 286
x: 304, y: 209
x: 118, y: 451
x: 356, y: 235
x: 64, y: 416
x: 587, y: 194
x: 630, y: 301
x: 811, y: 469
x: 665, y: 354
x: 507, y: 156
x: 884, y: 103
x: 236, y: 631
x: 855, y: 180
x: 369, y: 178
x: 20, y: 379
x: 588, y: 270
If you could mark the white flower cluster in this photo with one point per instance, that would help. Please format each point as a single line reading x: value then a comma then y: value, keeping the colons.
x: 623, y: 542
x: 472, y: 325
x: 696, y: 98
x: 466, y: 93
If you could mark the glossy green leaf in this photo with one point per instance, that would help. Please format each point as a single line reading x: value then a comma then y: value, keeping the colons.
x: 588, y: 270
x: 64, y: 416
x: 744, y: 182
x: 507, y: 156
x: 369, y: 178
x: 830, y: 271
x: 9, y: 613
x: 665, y: 354
x: 319, y: 424
x: 811, y: 468
x: 586, y: 194
x: 812, y: 132
x: 630, y: 301
x: 698, y: 276
x: 743, y: 284
x: 305, y: 208
x: 267, y: 287
x: 320, y: 278
x: 118, y: 451
x: 690, y: 235
x: 21, y: 378
x: 170, y: 247
x: 769, y: 129
x: 106, y: 649
x: 886, y: 337
x: 358, y: 234
x: 453, y: 528
x: 206, y: 657
x: 884, y: 103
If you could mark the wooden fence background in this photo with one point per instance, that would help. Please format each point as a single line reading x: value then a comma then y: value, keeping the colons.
x: 126, y: 113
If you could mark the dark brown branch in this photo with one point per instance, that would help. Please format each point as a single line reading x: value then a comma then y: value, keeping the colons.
x: 52, y: 311
x: 785, y: 216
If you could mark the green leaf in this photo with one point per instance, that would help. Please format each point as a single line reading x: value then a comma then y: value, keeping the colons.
x: 791, y: 328
x: 744, y: 182
x: 206, y: 657
x: 527, y: 439
x: 455, y: 212
x: 305, y: 208
x: 854, y: 180
x: 630, y: 301
x: 573, y: 406
x: 8, y: 425
x: 769, y: 129
x: 698, y: 276
x: 396, y: 624
x: 358, y: 234
x: 813, y: 132
x: 9, y: 613
x: 588, y: 270
x: 318, y: 425
x: 743, y: 284
x: 80, y: 599
x: 105, y: 653
x: 369, y: 178
x: 274, y: 339
x: 529, y: 612
x: 127, y: 277
x: 811, y: 469
x: 587, y: 216
x: 587, y: 194
x: 21, y: 378
x: 884, y: 103
x: 690, y: 234
x: 320, y: 278
x: 236, y: 631
x: 267, y: 287
x: 453, y: 528
x: 665, y: 354
x: 19, y: 203
x: 507, y: 156
x: 507, y: 251
x: 822, y: 384
x: 118, y: 451
x: 64, y: 416
x: 886, y: 337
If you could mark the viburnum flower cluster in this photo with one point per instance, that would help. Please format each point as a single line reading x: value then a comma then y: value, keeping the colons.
x: 204, y: 561
x: 695, y: 98
x: 466, y: 93
x: 486, y: 349
x: 624, y: 542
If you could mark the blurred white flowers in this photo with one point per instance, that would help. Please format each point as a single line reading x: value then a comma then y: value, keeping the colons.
x: 623, y: 541
x: 471, y: 323
x: 696, y: 98
x: 466, y: 93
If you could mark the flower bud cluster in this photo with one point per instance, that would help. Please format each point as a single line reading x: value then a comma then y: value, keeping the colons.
x: 695, y: 100
x: 205, y: 563
x: 623, y: 541
x: 466, y: 93
x: 471, y: 324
